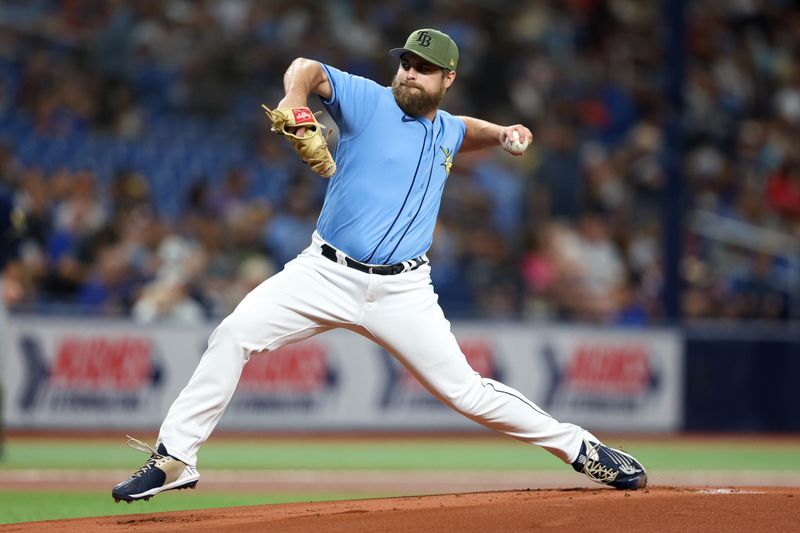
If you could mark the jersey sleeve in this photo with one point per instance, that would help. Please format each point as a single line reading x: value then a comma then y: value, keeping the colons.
x: 353, y: 101
x: 461, y: 128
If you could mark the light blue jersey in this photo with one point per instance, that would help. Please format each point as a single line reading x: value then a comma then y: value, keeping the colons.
x: 382, y: 202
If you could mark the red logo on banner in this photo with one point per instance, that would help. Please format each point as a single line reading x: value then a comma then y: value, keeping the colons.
x: 101, y: 363
x: 303, y: 115
x: 479, y: 356
x: 598, y: 368
x: 299, y: 368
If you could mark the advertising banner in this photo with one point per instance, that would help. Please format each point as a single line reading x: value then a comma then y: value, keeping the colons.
x: 88, y: 374
x: 611, y: 379
x: 96, y: 375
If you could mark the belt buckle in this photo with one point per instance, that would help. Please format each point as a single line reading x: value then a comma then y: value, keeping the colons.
x: 369, y: 270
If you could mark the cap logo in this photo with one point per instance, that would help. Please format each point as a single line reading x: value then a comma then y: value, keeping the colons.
x: 424, y: 39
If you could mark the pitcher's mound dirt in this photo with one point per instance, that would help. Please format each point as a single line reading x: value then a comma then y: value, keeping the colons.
x: 578, y: 510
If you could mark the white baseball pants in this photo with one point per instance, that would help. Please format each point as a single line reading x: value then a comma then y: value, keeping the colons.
x: 399, y: 312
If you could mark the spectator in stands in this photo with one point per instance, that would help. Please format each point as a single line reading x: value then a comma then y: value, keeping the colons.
x: 783, y: 190
x: 112, y: 111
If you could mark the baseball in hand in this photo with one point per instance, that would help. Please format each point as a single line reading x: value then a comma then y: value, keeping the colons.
x: 514, y: 144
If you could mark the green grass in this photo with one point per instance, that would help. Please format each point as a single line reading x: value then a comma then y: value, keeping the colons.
x: 719, y: 457
x: 340, y: 454
x: 53, y: 505
x: 387, y: 454
x: 290, y: 454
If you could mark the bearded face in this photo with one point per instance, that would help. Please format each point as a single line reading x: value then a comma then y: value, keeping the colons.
x: 414, y: 100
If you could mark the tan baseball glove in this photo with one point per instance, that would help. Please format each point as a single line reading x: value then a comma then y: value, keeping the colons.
x: 312, y: 147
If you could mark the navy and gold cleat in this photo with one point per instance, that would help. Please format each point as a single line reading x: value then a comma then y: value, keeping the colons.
x: 161, y: 472
x: 609, y: 466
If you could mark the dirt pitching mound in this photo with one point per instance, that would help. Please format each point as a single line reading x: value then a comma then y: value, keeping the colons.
x: 578, y: 510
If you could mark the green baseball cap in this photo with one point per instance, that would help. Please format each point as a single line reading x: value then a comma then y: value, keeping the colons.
x: 431, y: 45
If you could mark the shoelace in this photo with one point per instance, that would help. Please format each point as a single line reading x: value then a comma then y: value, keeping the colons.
x: 595, y: 469
x: 599, y: 472
x: 140, y: 446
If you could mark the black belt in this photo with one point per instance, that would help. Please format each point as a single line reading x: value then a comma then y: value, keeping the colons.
x: 382, y: 270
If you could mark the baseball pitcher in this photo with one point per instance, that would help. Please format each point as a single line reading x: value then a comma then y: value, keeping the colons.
x: 366, y: 269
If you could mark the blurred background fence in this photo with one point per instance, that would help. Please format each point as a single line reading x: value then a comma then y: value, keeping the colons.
x: 662, y: 190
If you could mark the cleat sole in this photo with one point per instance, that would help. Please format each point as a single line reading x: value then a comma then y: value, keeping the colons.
x: 636, y: 483
x: 128, y: 499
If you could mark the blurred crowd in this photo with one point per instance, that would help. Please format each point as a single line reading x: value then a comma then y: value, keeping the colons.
x: 131, y: 138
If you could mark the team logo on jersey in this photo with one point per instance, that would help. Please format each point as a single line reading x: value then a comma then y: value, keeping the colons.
x: 448, y: 159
